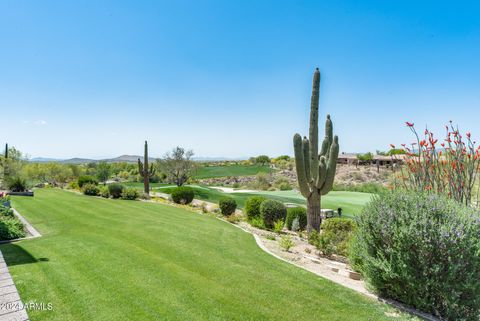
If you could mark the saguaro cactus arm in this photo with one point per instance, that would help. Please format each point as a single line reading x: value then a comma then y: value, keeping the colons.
x: 300, y: 166
x: 140, y: 167
x: 331, y: 167
x: 313, y: 131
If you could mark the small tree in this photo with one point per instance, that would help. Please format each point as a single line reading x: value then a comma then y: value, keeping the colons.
x: 103, y: 171
x: 178, y: 165
x: 262, y: 160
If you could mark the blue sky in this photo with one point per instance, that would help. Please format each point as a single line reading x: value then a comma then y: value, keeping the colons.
x: 231, y: 78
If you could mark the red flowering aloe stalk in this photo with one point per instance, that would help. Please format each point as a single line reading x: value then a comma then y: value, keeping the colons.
x: 451, y: 170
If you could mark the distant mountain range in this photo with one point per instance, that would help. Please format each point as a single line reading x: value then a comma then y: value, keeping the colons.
x: 120, y: 159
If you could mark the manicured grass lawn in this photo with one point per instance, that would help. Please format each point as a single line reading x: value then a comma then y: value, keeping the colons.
x: 101, y: 259
x: 351, y: 202
x: 231, y: 170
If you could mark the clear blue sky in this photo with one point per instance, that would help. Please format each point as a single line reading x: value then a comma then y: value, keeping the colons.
x: 231, y: 78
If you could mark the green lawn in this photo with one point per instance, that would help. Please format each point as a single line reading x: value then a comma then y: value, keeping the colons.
x: 230, y: 170
x: 101, y: 259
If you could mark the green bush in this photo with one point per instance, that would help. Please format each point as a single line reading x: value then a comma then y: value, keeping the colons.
x: 285, y: 187
x: 422, y: 250
x: 296, y: 212
x: 90, y: 189
x: 335, y: 236
x: 104, y: 191
x: 183, y: 195
x: 227, y: 205
x: 17, y: 184
x: 73, y: 185
x: 257, y: 222
x: 252, y: 206
x: 86, y: 179
x: 272, y: 211
x: 6, y: 211
x: 115, y: 190
x: 371, y: 187
x: 130, y: 194
x: 11, y: 228
x: 278, y: 226
x: 286, y: 242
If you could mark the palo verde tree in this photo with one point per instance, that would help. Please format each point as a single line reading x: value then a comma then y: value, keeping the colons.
x: 146, y: 171
x: 178, y: 165
x: 315, y: 172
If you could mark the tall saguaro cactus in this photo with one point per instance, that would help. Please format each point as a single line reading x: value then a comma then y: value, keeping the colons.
x: 145, y: 171
x: 315, y: 171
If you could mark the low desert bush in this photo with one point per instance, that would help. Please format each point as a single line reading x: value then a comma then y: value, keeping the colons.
x: 278, y: 226
x: 103, y: 191
x: 227, y: 205
x: 115, y: 190
x: 233, y: 218
x: 183, y: 195
x: 286, y: 242
x: 90, y: 189
x: 252, y: 206
x: 73, y: 185
x: 370, y: 187
x: 130, y: 194
x: 299, y: 213
x: 272, y: 211
x: 257, y: 222
x: 335, y: 236
x: 282, y: 183
x: 86, y: 179
x: 422, y: 250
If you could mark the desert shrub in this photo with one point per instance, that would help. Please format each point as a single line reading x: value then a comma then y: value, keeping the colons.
x: 17, y: 184
x: 73, y: 185
x: 252, y: 206
x: 271, y: 237
x: 286, y: 242
x: 278, y: 226
x: 313, y: 237
x: 296, y: 212
x: 227, y: 205
x: 370, y: 187
x: 234, y: 218
x: 130, y: 194
x: 272, y: 211
x: 86, y: 179
x: 261, y: 182
x: 285, y: 187
x: 6, y: 211
x: 91, y: 189
x: 103, y: 191
x: 335, y: 236
x: 422, y: 250
x: 115, y: 190
x: 11, y: 228
x: 183, y: 195
x: 282, y: 183
x: 257, y: 222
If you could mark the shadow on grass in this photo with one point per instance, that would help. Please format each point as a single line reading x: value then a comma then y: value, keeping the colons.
x: 15, y: 254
